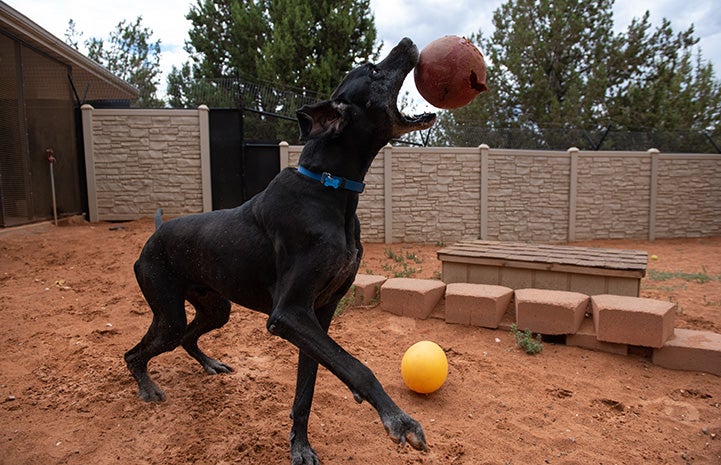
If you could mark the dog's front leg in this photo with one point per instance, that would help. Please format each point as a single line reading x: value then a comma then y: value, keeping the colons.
x: 300, y: 326
x: 301, y: 452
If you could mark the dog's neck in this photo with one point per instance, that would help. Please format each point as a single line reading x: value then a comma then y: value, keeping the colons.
x: 351, y: 161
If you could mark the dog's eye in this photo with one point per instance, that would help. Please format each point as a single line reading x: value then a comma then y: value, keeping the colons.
x: 374, y: 71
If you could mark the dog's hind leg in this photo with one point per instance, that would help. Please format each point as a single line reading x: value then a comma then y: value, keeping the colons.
x: 164, y: 334
x: 212, y: 311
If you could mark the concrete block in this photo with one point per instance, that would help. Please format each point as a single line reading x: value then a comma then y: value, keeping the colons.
x: 691, y: 350
x: 367, y: 289
x: 411, y: 297
x: 547, y: 311
x: 585, y: 338
x: 508, y: 319
x: 633, y: 320
x: 476, y: 304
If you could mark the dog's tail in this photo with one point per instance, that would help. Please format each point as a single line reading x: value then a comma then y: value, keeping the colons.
x: 158, y: 217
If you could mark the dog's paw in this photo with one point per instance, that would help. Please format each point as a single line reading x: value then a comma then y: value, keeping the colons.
x: 214, y: 367
x: 303, y: 455
x: 150, y: 392
x: 403, y: 429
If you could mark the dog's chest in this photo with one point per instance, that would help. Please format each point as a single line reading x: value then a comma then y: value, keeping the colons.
x: 346, y: 268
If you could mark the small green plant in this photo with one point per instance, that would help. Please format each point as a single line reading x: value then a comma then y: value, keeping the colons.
x: 406, y: 272
x: 670, y: 288
x: 526, y: 341
x: 376, y: 295
x: 393, y: 256
x: 414, y: 257
x: 400, y: 268
x: 701, y: 278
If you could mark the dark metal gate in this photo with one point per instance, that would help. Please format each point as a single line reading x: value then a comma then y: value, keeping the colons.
x: 37, y: 113
x: 239, y: 169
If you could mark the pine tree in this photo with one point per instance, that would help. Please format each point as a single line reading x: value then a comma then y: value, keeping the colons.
x: 299, y: 43
x: 557, y: 70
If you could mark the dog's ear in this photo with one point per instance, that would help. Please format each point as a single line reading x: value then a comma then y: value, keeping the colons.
x: 322, y: 119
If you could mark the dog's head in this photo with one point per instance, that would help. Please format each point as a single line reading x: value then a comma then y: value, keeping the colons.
x: 365, y: 102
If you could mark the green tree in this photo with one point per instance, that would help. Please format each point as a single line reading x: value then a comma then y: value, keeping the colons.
x: 555, y: 52
x: 304, y: 44
x: 313, y: 43
x: 556, y: 70
x: 674, y: 90
x: 130, y: 54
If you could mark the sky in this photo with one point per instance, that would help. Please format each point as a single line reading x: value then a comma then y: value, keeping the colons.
x: 421, y: 20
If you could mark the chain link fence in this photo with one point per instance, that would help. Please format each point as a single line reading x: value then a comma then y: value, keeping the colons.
x: 470, y: 135
x: 269, y: 110
x: 270, y: 116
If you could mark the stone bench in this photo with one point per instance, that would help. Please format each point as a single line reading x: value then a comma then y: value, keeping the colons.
x: 590, y: 271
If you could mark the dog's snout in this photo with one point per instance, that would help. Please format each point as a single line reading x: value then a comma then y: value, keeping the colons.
x: 403, y: 56
x: 407, y: 42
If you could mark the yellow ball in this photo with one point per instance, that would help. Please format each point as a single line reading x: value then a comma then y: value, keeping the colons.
x: 424, y: 367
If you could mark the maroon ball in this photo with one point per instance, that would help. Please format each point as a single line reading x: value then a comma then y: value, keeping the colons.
x: 450, y: 72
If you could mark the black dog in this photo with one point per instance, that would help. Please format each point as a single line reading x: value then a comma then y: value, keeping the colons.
x: 291, y: 252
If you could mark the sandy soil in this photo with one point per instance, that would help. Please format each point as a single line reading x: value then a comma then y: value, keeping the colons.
x: 70, y: 308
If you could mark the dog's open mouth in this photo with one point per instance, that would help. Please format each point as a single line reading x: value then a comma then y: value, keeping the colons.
x: 409, y: 123
x: 421, y: 121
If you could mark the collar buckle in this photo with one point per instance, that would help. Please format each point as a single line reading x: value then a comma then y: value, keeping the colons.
x: 328, y: 180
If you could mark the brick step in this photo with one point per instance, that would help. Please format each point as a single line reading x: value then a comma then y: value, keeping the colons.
x: 607, y: 323
x: 691, y: 350
x: 476, y: 304
x: 411, y: 297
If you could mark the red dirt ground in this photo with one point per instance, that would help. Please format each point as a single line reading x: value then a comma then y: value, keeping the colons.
x: 70, y: 308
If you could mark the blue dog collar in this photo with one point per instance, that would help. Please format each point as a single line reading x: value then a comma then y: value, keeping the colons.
x: 336, y: 182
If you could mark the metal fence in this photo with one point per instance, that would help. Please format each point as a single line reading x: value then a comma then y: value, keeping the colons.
x: 270, y: 115
x: 560, y: 138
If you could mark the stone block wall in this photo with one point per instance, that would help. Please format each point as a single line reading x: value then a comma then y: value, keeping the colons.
x: 371, y: 205
x: 614, y: 324
x: 141, y: 160
x: 689, y: 192
x: 528, y: 196
x: 613, y: 195
x: 435, y: 194
x: 450, y: 194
